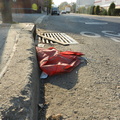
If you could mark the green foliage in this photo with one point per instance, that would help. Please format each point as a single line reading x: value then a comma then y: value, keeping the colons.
x: 92, y: 10
x: 73, y: 7
x: 97, y: 10
x: 88, y: 10
x: 82, y: 10
x: 103, y: 11
x: 112, y: 5
x: 63, y: 5
x: 48, y: 3
x: 117, y: 12
x: 111, y: 10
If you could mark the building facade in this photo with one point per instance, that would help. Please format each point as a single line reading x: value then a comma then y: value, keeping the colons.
x: 25, y: 6
x: 101, y: 3
x: 84, y: 3
x: 106, y: 3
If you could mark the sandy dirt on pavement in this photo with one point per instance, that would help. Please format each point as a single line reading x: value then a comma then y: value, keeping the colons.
x: 91, y: 91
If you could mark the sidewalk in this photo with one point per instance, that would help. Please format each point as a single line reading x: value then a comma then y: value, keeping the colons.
x: 19, y: 74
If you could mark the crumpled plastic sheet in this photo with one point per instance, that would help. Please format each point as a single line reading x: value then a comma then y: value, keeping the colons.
x: 53, y: 62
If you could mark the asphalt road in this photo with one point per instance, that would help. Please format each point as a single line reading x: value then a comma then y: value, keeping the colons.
x: 75, y: 23
x: 90, y: 92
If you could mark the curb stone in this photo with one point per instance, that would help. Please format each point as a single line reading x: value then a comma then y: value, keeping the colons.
x: 20, y: 77
x: 19, y: 83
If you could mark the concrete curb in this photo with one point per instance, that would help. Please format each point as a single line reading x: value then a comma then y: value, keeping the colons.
x: 28, y: 80
x: 39, y: 20
x: 22, y: 68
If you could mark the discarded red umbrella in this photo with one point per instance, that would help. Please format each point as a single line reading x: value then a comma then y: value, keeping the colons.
x: 53, y: 62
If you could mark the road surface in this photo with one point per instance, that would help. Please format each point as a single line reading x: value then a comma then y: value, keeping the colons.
x: 90, y: 91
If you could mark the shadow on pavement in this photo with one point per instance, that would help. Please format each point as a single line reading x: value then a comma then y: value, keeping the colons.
x: 66, y: 80
x: 17, y: 110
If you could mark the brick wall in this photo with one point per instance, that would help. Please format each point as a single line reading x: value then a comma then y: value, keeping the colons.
x: 24, y: 6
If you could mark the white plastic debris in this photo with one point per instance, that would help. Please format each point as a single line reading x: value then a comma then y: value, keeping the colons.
x: 83, y: 59
x: 43, y: 75
x: 41, y: 45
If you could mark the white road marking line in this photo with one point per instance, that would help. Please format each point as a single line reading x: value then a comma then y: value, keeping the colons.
x: 96, y: 23
x: 89, y: 34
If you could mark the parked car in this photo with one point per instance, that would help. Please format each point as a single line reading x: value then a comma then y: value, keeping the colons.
x: 55, y: 11
x: 63, y: 12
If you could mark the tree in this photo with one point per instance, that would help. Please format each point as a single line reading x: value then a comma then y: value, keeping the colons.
x: 89, y: 10
x: 97, y: 10
x: 111, y: 10
x: 103, y: 11
x: 63, y: 5
x: 48, y: 4
x: 6, y: 11
x: 73, y: 7
x: 92, y: 10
